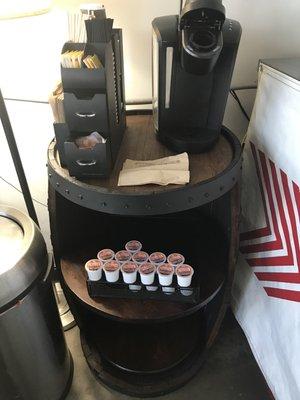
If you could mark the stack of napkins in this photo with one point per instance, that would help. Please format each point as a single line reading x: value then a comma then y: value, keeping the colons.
x: 165, y: 171
x: 56, y: 99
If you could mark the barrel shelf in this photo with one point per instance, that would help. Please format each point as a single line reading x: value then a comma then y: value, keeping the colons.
x: 210, y: 274
x: 180, y: 359
x: 199, y: 220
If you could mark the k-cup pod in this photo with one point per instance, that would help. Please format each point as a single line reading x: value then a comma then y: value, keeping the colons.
x: 176, y: 259
x: 106, y: 255
x: 165, y: 274
x: 133, y: 246
x: 123, y: 256
x: 112, y: 271
x: 157, y: 258
x: 147, y: 273
x: 184, y: 275
x: 141, y: 257
x: 94, y: 270
x: 129, y: 272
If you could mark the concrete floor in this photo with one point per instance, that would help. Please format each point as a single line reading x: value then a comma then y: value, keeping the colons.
x: 230, y: 373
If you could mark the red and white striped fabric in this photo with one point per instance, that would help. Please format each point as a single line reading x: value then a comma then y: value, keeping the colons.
x: 266, y: 291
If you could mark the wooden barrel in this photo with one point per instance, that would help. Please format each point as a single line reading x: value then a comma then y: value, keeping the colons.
x: 141, y: 347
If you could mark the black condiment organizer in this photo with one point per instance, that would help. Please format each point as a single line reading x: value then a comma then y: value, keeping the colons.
x: 86, y: 163
x: 85, y: 82
x: 93, y: 102
x: 62, y: 135
x: 122, y: 290
x: 86, y: 115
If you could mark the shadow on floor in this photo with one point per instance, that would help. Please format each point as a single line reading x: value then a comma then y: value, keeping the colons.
x: 230, y: 372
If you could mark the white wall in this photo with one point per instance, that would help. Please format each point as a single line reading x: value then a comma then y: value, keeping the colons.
x: 32, y: 125
x: 30, y: 47
x: 30, y: 51
x: 271, y: 29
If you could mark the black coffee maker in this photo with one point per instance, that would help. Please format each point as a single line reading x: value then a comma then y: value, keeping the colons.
x: 193, y: 60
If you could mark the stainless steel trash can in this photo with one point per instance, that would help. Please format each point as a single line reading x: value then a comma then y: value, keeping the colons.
x: 35, y: 363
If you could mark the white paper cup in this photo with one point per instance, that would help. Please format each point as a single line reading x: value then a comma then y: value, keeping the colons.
x: 123, y: 256
x: 147, y: 278
x: 183, y: 279
x: 94, y: 274
x: 157, y: 258
x: 106, y: 255
x: 133, y: 246
x: 176, y: 259
x: 141, y: 257
x: 165, y: 274
x: 129, y: 277
x: 112, y: 275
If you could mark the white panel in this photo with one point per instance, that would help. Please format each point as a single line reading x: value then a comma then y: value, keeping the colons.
x: 169, y: 68
x: 155, y: 78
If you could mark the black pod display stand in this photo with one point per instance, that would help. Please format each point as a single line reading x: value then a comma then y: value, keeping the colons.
x: 144, y: 347
x: 94, y: 101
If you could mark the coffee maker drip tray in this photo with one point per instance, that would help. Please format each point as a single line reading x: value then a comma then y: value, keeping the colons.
x: 191, y: 140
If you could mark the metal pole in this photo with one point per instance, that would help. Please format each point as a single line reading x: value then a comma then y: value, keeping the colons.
x: 180, y: 6
x: 16, y: 159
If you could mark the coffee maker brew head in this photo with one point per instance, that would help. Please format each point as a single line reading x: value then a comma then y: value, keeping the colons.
x: 200, y: 29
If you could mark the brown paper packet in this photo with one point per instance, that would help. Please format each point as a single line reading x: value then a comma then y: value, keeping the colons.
x: 56, y: 102
x: 179, y: 162
x: 137, y: 177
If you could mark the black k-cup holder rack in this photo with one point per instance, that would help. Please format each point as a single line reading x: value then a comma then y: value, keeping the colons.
x: 138, y: 290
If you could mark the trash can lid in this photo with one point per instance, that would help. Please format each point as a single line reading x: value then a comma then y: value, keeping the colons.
x: 23, y: 255
x: 11, y: 243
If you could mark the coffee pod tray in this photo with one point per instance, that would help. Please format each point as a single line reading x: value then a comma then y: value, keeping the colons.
x: 140, y: 291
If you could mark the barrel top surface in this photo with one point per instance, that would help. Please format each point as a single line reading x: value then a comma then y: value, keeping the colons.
x: 140, y: 143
